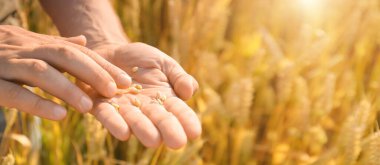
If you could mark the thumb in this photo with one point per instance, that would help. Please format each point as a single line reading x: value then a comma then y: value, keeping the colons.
x: 79, y: 40
x: 184, y: 84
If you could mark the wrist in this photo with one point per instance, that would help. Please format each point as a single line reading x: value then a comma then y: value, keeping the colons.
x: 100, y: 41
x: 106, y: 49
x: 98, y: 45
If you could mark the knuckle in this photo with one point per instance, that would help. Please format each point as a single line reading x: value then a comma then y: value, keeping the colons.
x: 38, y: 66
x: 37, y: 104
x: 65, y: 51
x: 70, y: 92
x: 62, y: 49
x: 100, y: 78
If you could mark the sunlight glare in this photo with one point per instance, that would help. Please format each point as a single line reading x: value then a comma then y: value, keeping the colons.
x: 310, y: 5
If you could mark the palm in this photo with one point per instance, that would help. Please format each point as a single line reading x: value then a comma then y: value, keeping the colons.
x: 158, y: 74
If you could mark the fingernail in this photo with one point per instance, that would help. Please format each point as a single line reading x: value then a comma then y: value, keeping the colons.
x: 125, y: 79
x: 85, y: 104
x: 59, y: 112
x: 111, y: 89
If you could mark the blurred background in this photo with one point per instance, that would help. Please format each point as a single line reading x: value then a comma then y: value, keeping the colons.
x: 281, y: 82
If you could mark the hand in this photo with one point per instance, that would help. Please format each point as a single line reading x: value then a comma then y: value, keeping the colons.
x: 36, y: 60
x: 174, y: 121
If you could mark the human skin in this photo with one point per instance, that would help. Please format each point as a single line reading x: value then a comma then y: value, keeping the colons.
x: 37, y: 60
x: 174, y: 122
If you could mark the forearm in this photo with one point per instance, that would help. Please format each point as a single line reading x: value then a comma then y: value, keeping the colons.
x: 93, y: 18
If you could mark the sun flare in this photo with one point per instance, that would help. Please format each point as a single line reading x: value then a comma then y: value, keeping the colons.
x: 310, y: 5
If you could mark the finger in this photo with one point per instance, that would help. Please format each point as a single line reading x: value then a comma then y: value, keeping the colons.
x: 77, y: 64
x: 79, y: 40
x: 123, y: 80
x: 170, y: 128
x: 141, y: 126
x: 184, y: 84
x: 14, y: 96
x: 186, y: 116
x: 38, y: 73
x: 111, y: 119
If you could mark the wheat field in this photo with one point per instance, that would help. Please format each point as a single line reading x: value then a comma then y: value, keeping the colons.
x: 281, y: 82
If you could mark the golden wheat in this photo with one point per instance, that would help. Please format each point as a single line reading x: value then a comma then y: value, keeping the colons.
x: 281, y: 82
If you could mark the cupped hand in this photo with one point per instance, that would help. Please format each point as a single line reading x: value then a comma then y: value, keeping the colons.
x: 36, y: 60
x: 156, y: 113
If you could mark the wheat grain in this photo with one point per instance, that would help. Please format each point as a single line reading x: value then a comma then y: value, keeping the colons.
x: 135, y: 69
x: 136, y: 102
x: 138, y: 86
